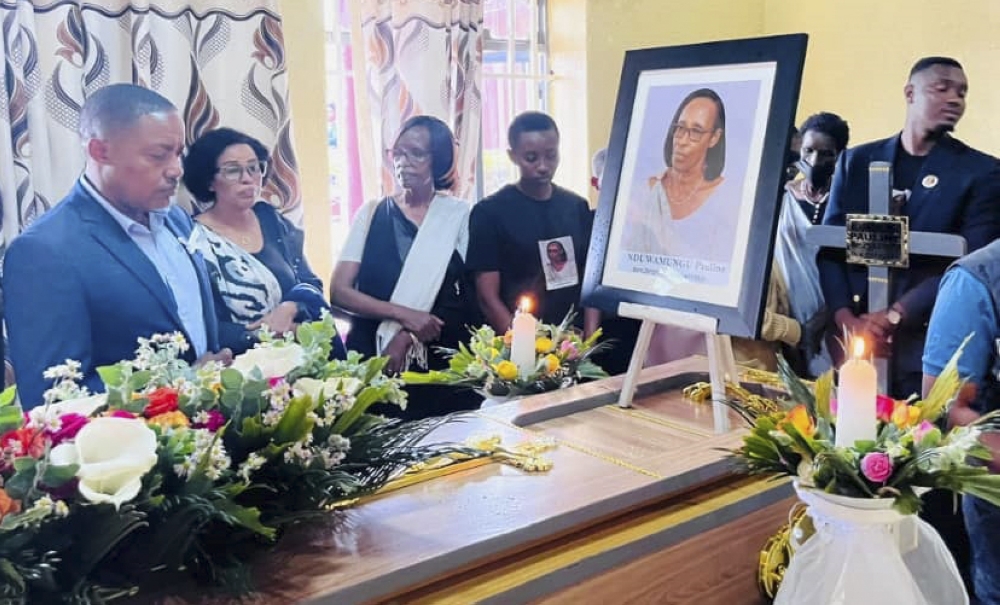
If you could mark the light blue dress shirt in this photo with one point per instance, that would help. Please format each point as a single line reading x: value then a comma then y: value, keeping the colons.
x: 172, y: 262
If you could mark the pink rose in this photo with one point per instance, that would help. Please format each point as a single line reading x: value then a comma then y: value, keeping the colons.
x: 69, y: 426
x: 876, y: 467
x: 921, y: 431
x: 884, y: 407
x: 122, y: 414
x: 569, y: 349
x: 275, y: 381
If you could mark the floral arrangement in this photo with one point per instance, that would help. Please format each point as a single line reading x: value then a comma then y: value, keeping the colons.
x: 796, y: 437
x: 562, y: 358
x: 181, y: 467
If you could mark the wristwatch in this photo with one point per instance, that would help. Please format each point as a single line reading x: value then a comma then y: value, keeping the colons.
x: 894, y: 317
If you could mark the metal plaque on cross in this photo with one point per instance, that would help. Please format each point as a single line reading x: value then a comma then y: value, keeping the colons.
x: 882, y: 244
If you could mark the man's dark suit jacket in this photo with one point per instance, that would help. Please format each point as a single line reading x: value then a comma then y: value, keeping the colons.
x: 964, y: 200
x: 77, y: 287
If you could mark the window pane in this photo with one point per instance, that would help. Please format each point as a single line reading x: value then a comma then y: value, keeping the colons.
x: 495, y: 18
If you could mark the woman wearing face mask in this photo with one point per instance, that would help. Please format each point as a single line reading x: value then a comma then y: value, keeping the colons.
x: 824, y: 137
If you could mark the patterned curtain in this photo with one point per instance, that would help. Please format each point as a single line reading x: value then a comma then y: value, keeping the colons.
x: 425, y: 57
x: 221, y: 62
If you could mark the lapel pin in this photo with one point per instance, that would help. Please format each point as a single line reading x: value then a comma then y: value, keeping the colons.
x: 929, y: 181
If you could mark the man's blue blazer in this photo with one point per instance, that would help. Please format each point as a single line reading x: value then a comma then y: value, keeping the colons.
x: 77, y: 287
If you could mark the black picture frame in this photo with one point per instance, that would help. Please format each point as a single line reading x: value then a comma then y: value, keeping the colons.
x: 739, y: 305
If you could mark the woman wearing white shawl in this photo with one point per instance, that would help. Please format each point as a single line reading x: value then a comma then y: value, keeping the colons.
x: 824, y: 137
x: 401, y: 273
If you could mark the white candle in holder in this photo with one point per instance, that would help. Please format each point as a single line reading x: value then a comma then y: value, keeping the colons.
x: 522, y: 344
x: 856, y: 395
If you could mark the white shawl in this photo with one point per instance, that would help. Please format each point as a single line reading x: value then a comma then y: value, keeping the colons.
x: 444, y: 230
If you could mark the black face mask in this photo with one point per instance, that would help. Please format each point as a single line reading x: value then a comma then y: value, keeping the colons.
x: 819, y: 176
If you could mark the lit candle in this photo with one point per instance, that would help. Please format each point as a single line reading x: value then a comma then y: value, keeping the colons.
x: 522, y: 343
x: 856, y: 396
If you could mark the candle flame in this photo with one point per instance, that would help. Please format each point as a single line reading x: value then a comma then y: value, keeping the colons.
x: 859, y: 348
x: 524, y: 305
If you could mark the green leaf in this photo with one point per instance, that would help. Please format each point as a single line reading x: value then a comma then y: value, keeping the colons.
x: 55, y: 476
x: 232, y: 380
x: 231, y: 400
x: 823, y: 390
x: 7, y: 396
x: 11, y: 575
x: 20, y: 484
x: 946, y: 387
x: 244, y: 516
x: 11, y: 418
x: 24, y: 463
x: 295, y: 423
x: 139, y: 380
x: 797, y: 389
x: 111, y: 376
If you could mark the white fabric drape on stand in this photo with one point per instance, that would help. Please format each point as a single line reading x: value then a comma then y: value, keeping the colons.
x: 425, y: 57
x: 221, y: 62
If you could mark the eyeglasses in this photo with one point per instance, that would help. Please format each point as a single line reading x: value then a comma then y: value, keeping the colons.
x: 234, y: 172
x: 694, y: 135
x: 413, y: 156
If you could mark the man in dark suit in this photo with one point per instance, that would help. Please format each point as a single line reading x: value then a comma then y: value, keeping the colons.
x: 109, y: 264
x: 943, y: 185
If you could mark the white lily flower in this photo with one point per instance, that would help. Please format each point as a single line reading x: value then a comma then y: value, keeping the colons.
x: 114, y: 454
x: 273, y: 362
x: 329, y: 388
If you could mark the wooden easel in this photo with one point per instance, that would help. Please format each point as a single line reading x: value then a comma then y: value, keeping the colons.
x: 721, y: 363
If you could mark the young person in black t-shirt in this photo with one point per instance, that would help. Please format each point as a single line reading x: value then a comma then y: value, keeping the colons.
x: 519, y: 235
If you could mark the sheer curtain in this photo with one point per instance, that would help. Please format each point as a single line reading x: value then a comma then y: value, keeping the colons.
x: 221, y: 62
x: 425, y: 57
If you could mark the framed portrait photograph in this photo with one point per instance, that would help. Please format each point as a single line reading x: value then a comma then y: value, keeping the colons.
x: 690, y: 191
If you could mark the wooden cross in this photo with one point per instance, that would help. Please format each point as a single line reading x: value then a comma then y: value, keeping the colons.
x: 942, y: 245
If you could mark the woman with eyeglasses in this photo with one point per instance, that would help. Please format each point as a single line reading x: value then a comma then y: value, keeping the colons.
x: 684, y: 214
x: 401, y: 274
x: 259, y: 272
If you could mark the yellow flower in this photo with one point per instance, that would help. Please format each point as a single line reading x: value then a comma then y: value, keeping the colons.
x: 506, y: 370
x: 543, y: 345
x: 216, y: 387
x: 170, y: 419
x: 551, y: 363
x: 799, y: 418
x: 905, y: 416
x: 493, y: 353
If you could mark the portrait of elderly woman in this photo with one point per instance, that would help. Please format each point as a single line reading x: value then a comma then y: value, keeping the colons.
x: 679, y: 213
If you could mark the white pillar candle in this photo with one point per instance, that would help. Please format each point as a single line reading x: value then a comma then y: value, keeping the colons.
x: 522, y: 344
x: 856, y: 394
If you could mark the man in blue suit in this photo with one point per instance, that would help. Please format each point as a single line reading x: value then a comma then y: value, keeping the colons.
x: 109, y: 263
x: 943, y: 185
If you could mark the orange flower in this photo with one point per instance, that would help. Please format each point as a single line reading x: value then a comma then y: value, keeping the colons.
x: 8, y: 505
x: 508, y: 337
x: 551, y: 363
x: 905, y: 416
x: 799, y: 418
x: 172, y: 419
